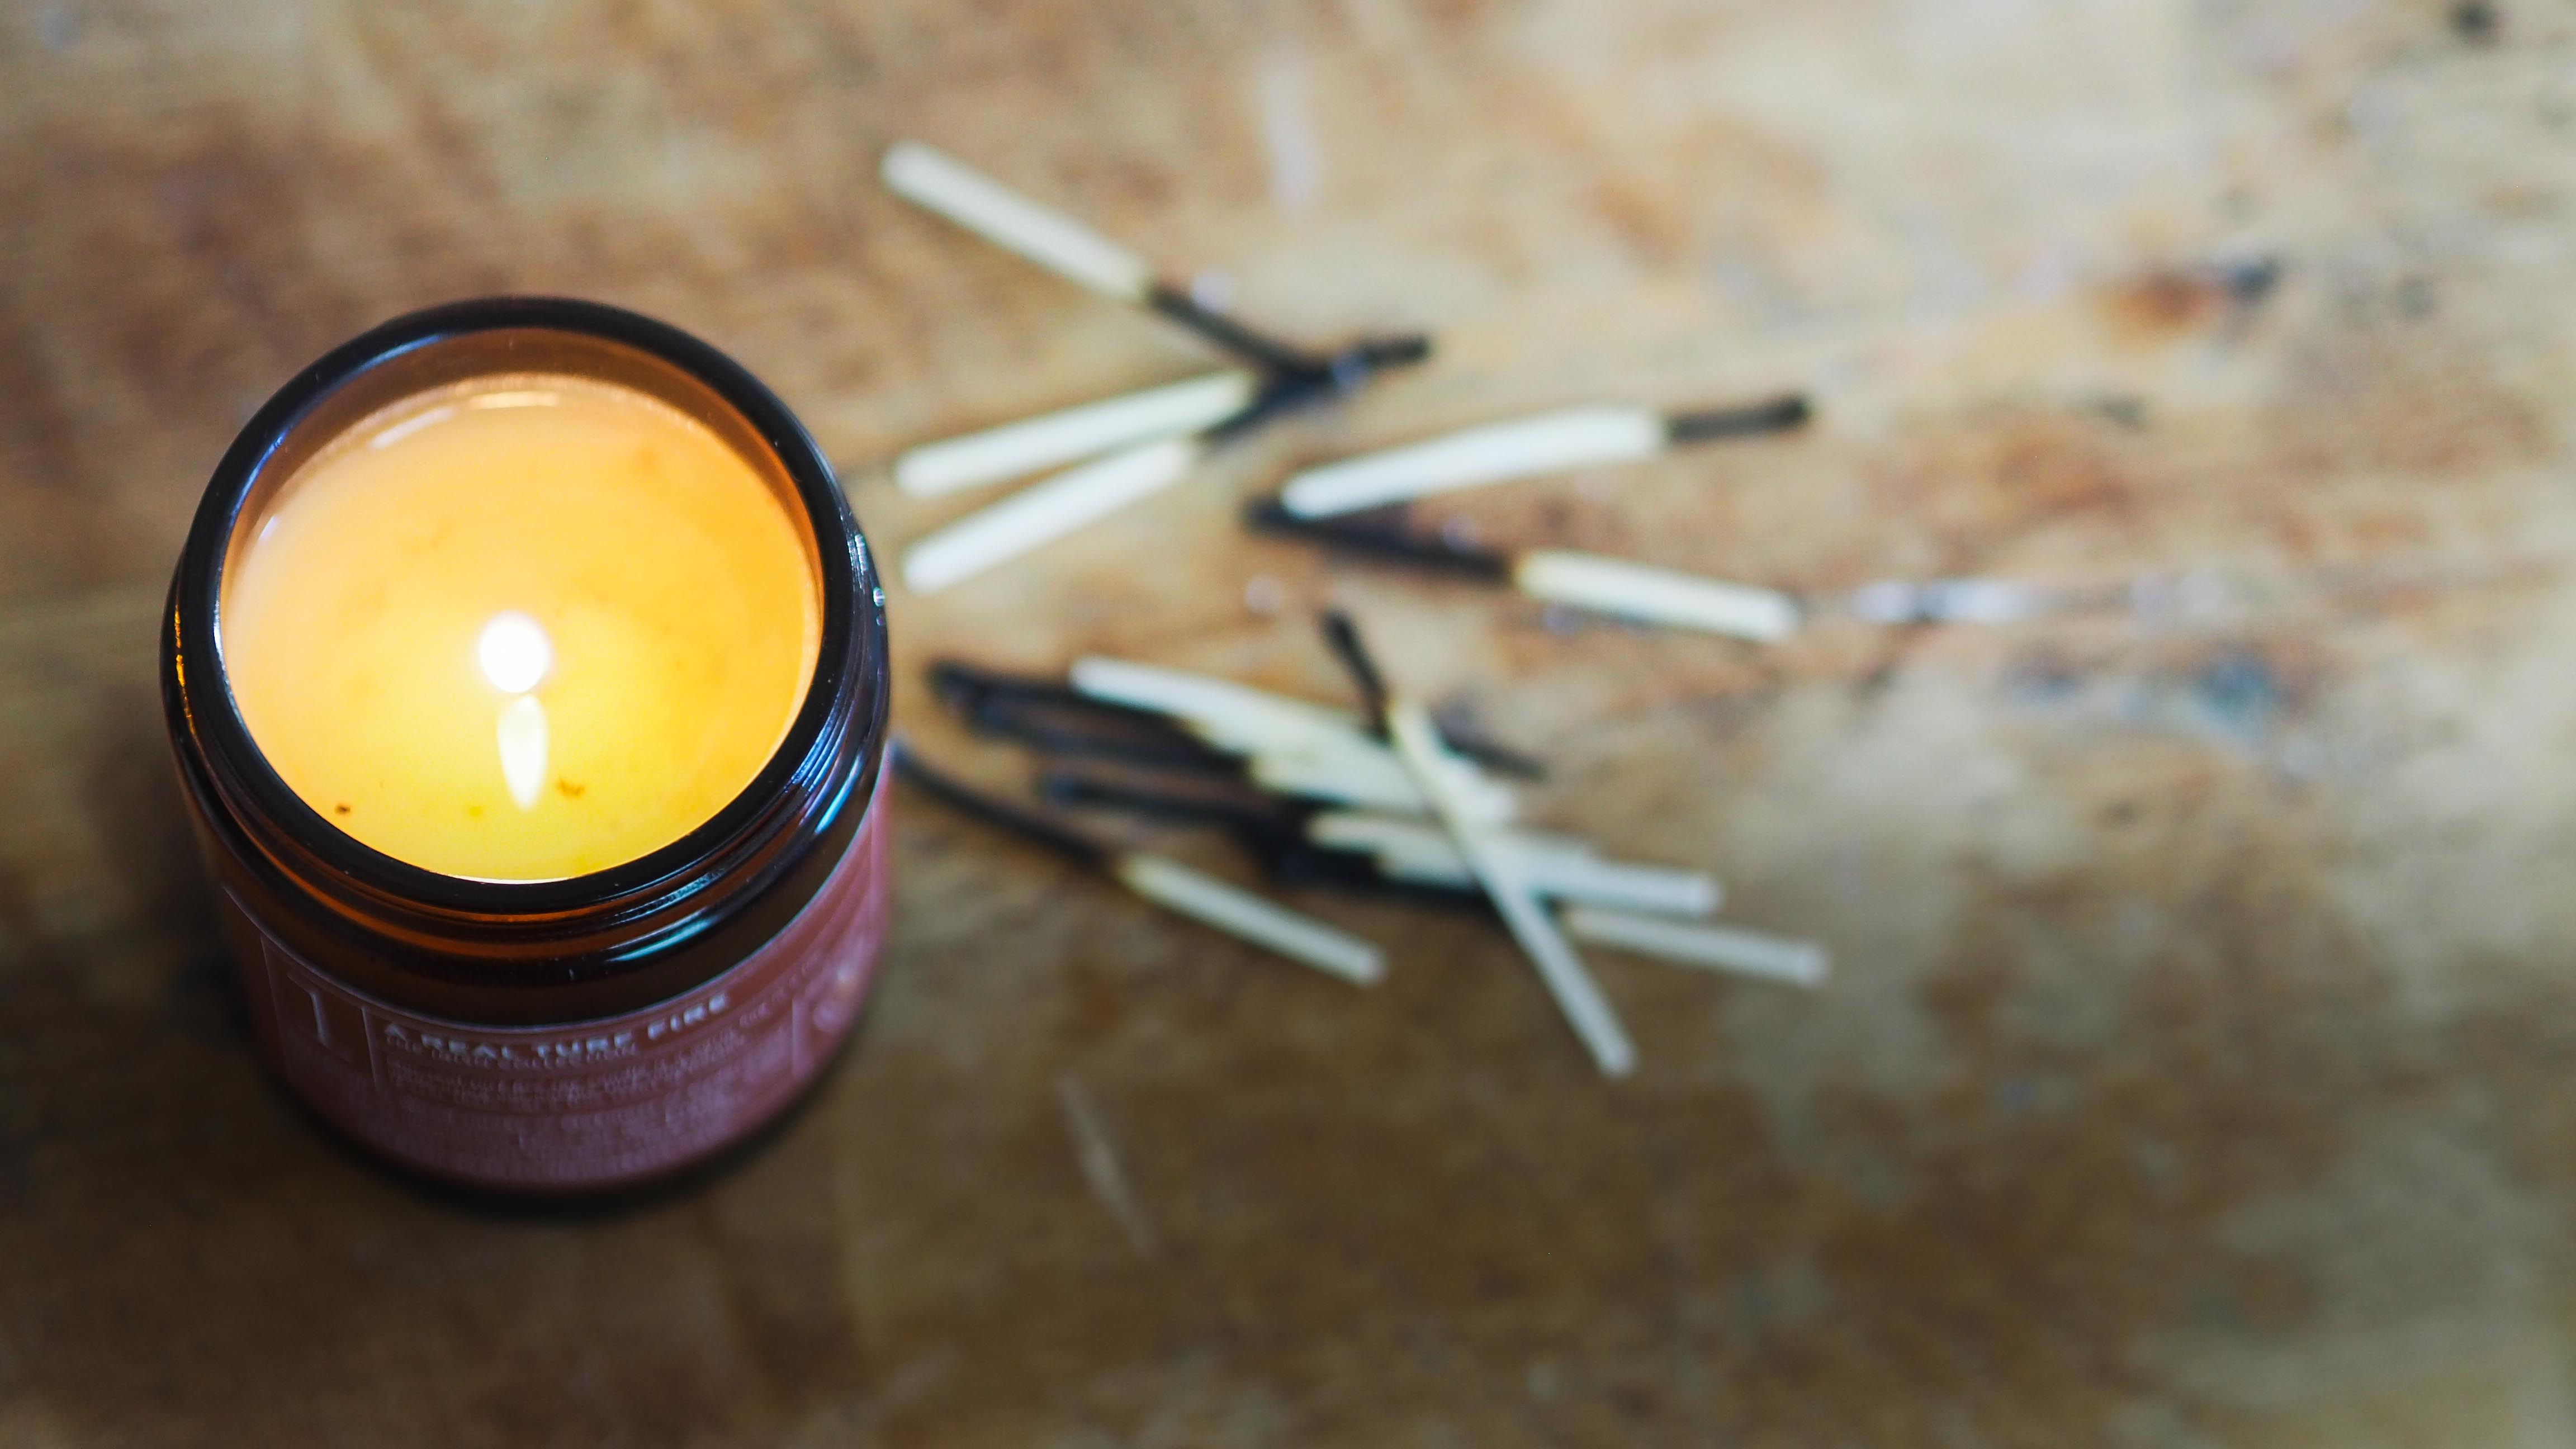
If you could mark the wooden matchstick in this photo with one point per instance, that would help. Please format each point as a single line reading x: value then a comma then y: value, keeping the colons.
x: 1556, y: 868
x: 1014, y: 450
x: 1717, y: 948
x: 1655, y: 595
x: 1290, y: 746
x: 1577, y: 995
x: 1501, y: 867
x: 1050, y: 715
x: 1080, y: 495
x: 1159, y: 433
x: 940, y: 183
x: 1550, y: 442
x: 1046, y: 511
x: 1586, y: 580
x: 1168, y: 883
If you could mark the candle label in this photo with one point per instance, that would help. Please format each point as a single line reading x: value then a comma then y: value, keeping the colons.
x: 591, y: 1104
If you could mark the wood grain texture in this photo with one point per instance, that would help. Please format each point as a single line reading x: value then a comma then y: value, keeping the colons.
x: 2199, y: 1066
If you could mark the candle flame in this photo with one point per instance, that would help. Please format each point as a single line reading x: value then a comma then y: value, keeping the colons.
x: 523, y: 749
x: 514, y: 652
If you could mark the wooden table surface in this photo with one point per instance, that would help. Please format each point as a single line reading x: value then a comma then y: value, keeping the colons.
x: 2200, y: 1063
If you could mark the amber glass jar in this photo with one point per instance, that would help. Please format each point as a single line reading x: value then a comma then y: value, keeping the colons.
x: 560, y: 1035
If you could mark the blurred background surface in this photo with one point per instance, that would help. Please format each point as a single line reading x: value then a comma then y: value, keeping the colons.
x: 2200, y: 1065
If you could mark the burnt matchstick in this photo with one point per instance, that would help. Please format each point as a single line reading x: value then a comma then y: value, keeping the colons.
x: 1554, y: 867
x: 938, y: 182
x: 1615, y: 904
x: 1668, y: 596
x: 1713, y: 948
x: 1283, y: 377
x: 1031, y: 445
x: 1503, y: 870
x: 1506, y: 884
x: 1091, y: 491
x: 1365, y: 848
x: 1050, y: 715
x: 1046, y: 511
x: 1342, y: 636
x: 1468, y: 741
x: 1288, y: 746
x: 1585, y: 580
x: 1164, y: 881
x: 1270, y: 828
x: 1220, y: 405
x: 1557, y: 868
x: 1549, y: 442
x: 1181, y: 796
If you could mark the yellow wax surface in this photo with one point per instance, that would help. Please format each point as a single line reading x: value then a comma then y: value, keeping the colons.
x: 671, y: 586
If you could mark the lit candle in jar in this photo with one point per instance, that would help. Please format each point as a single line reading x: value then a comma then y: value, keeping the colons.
x: 521, y: 627
x: 527, y: 677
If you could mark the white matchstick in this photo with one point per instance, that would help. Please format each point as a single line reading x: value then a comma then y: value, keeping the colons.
x: 1549, y: 442
x: 1364, y: 830
x: 1417, y: 743
x: 1554, y: 867
x: 1613, y: 884
x: 1013, y: 450
x: 1656, y: 595
x: 1046, y: 510
x: 1293, y: 746
x: 1368, y: 776
x: 936, y: 181
x: 1166, y: 882
x: 1230, y: 715
x: 1717, y: 948
x: 1240, y: 913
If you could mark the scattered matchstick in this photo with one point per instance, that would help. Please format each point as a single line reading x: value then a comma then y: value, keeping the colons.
x: 1187, y: 796
x: 1046, y: 511
x: 1503, y: 871
x: 1718, y: 948
x: 1291, y: 746
x: 1342, y: 636
x: 1586, y: 580
x: 1195, y: 748
x: 1145, y: 441
x: 1577, y: 995
x: 1294, y: 839
x: 1551, y: 442
x: 1229, y: 715
x: 1052, y: 715
x: 1015, y: 450
x: 1655, y: 595
x: 940, y: 183
x: 1617, y: 586
x: 1168, y: 883
x: 1555, y: 867
x: 1049, y: 714
x: 1056, y: 506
